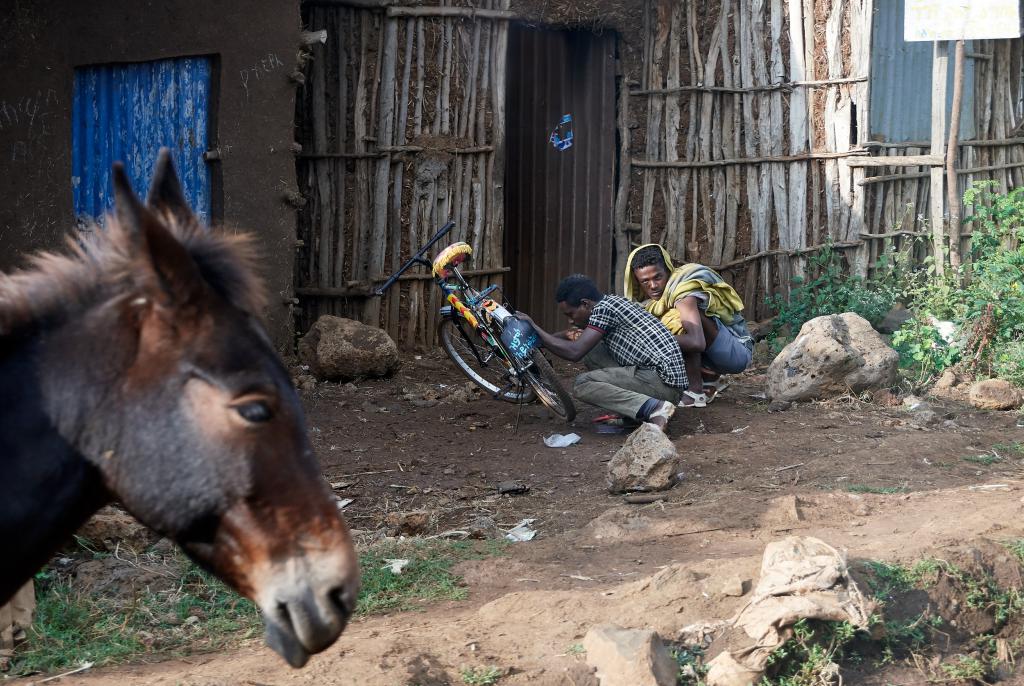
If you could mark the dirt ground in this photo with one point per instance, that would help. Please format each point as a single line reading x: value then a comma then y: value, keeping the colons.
x: 423, y: 442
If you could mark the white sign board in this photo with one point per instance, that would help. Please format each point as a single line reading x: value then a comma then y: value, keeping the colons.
x: 931, y: 20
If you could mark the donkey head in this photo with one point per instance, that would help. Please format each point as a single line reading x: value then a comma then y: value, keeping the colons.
x: 210, y: 446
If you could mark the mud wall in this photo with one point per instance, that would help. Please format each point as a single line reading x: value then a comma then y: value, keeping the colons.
x: 252, y: 104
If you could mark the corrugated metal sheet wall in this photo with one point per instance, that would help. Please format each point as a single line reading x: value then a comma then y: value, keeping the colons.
x: 901, y: 81
x: 558, y: 204
x: 126, y: 112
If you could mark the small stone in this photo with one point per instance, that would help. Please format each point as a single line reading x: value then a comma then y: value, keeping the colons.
x: 512, y: 487
x: 424, y: 403
x: 995, y: 394
x: 779, y: 405
x: 896, y: 318
x: 647, y: 461
x: 409, y: 523
x: 483, y: 527
x: 629, y: 657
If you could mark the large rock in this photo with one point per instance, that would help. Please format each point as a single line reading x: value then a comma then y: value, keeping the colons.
x: 629, y: 657
x: 833, y: 355
x: 339, y: 349
x: 995, y: 394
x: 647, y: 461
x: 111, y: 527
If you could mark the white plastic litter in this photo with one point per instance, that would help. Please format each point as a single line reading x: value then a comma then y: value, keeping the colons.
x: 344, y: 502
x: 521, y: 531
x: 561, y: 440
x: 395, y: 565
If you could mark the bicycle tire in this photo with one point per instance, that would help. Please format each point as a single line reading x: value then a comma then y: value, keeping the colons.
x: 548, y: 388
x: 460, y: 352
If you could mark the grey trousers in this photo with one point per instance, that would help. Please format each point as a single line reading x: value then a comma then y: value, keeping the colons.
x: 622, y: 390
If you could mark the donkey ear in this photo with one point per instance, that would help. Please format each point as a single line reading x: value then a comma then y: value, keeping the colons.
x: 165, y: 194
x: 178, y: 281
x: 130, y: 212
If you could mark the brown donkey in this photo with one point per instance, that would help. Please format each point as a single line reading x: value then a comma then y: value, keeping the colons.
x: 135, y: 369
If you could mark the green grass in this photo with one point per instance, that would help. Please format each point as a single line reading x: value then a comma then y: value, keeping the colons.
x: 480, y: 676
x: 1015, y: 447
x: 887, y: 580
x: 427, y: 577
x: 986, y: 460
x: 1016, y: 547
x: 965, y: 668
x: 692, y: 666
x: 880, y: 490
x: 811, y: 656
x: 72, y: 626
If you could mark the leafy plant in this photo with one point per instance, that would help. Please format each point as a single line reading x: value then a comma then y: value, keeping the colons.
x: 922, y: 348
x: 832, y: 290
x: 811, y: 656
x: 965, y: 669
x: 480, y: 676
x: 692, y: 668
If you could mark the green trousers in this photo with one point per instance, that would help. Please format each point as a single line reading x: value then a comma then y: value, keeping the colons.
x: 622, y: 390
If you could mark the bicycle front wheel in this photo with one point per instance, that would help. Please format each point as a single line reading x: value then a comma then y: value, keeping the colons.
x: 481, y: 363
x: 548, y: 388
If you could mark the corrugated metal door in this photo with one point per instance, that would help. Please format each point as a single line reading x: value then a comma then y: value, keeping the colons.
x: 558, y: 204
x: 126, y: 112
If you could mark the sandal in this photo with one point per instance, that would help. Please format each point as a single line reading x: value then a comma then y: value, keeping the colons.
x: 699, y: 400
x: 718, y: 385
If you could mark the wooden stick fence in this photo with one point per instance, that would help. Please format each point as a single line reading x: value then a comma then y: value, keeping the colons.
x: 744, y: 142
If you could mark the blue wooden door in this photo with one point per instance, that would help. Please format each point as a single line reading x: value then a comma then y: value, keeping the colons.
x: 127, y: 112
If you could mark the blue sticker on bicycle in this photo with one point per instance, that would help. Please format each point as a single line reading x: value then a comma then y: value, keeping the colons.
x: 561, y: 137
x: 520, y: 338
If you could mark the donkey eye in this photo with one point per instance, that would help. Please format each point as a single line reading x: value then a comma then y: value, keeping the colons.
x: 256, y: 412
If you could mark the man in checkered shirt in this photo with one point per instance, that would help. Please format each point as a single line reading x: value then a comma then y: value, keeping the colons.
x: 636, y: 368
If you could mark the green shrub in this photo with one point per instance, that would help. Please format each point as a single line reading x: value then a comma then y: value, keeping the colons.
x: 923, y: 350
x: 833, y: 290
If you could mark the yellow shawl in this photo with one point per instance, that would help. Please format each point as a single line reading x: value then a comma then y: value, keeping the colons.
x: 723, y: 300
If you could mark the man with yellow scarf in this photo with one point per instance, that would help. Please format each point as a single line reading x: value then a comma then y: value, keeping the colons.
x: 699, y: 308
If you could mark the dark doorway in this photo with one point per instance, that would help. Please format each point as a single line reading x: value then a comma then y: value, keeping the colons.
x: 558, y: 203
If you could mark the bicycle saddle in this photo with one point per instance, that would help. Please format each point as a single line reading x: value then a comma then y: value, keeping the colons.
x: 452, y: 256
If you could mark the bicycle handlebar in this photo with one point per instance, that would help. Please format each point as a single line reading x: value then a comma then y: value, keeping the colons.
x: 415, y: 259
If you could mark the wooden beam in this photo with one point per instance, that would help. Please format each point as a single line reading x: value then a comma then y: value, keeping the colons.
x: 898, y: 161
x: 684, y: 164
x: 357, y: 4
x: 782, y: 85
x: 952, y: 189
x: 974, y: 142
x: 468, y: 12
x: 937, y: 209
x: 452, y: 151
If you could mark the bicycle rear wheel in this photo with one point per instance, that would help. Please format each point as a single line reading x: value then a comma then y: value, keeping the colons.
x: 548, y: 388
x: 481, y: 363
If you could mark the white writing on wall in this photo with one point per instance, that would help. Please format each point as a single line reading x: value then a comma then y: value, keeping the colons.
x: 25, y: 120
x: 259, y: 69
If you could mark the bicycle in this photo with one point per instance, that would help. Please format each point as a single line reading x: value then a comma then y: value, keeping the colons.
x: 482, y: 337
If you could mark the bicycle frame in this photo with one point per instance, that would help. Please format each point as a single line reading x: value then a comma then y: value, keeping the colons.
x: 465, y: 303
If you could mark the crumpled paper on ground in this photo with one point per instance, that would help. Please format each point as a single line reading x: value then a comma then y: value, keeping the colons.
x: 801, y: 578
x: 561, y: 440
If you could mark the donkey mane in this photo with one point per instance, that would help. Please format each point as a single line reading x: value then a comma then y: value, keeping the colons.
x: 104, y: 267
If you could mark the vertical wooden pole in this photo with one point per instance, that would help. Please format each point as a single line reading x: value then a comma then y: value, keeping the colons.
x: 936, y: 215
x: 952, y: 190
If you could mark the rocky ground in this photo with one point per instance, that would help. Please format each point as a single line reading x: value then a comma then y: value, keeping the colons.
x: 425, y: 454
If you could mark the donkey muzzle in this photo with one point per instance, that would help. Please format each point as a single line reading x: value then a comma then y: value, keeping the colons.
x: 305, y: 611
